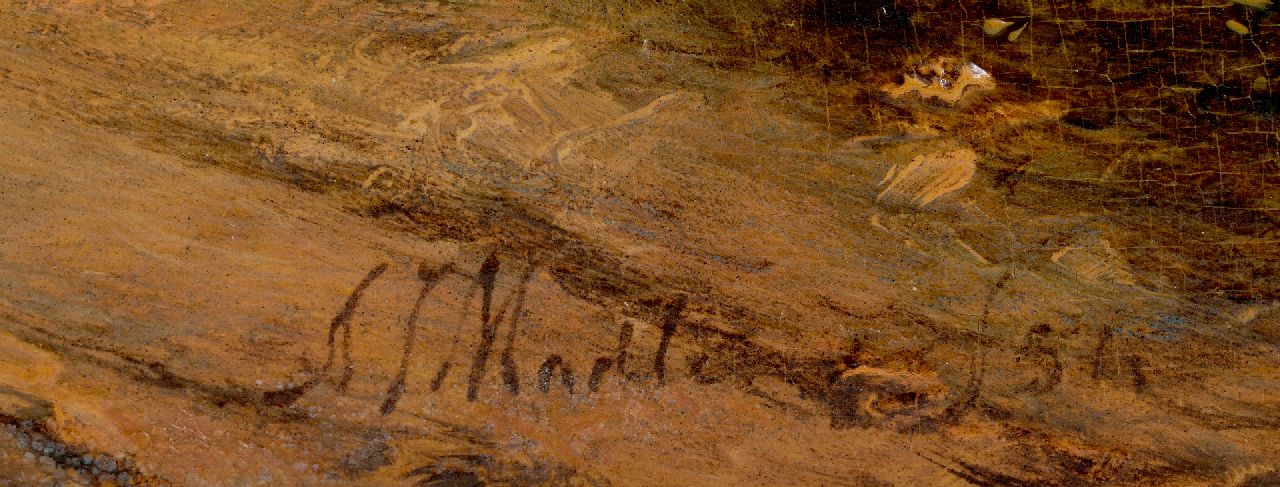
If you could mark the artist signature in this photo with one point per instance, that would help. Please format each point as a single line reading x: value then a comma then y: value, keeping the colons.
x: 836, y: 382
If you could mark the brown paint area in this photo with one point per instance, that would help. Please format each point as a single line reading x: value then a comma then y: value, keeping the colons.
x: 714, y: 243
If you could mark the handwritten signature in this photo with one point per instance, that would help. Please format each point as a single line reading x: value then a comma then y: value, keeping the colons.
x: 835, y: 381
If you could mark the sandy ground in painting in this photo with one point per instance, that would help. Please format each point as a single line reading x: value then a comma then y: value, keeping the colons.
x: 383, y: 243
